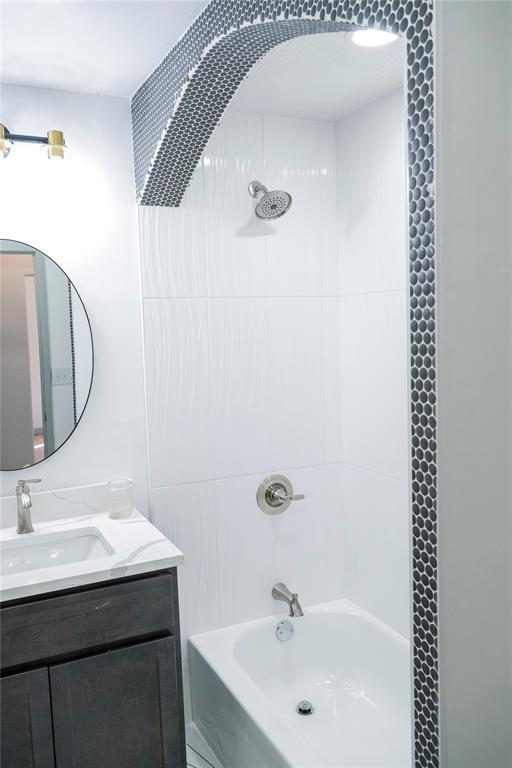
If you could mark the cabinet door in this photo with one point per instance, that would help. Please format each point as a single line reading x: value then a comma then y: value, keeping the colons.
x: 26, y: 721
x: 120, y: 709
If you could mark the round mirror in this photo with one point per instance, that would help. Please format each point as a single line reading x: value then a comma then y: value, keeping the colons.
x: 46, y: 356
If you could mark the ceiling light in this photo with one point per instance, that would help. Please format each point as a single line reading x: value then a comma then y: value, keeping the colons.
x: 371, y: 38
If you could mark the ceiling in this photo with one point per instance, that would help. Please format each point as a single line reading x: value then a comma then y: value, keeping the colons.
x: 109, y: 47
x: 106, y: 47
x: 321, y: 76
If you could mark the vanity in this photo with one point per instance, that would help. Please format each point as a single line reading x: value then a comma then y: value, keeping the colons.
x: 91, y: 673
x: 90, y: 646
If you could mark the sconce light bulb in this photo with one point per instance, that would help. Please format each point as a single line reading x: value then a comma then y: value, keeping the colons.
x: 5, y: 142
x: 56, y: 146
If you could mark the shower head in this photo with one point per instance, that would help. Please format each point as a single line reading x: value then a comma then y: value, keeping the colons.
x: 270, y: 205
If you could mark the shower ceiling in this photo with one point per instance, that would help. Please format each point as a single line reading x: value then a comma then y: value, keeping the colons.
x: 321, y: 76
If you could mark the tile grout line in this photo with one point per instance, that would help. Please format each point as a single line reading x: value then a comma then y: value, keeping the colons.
x: 285, y: 469
x: 277, y: 296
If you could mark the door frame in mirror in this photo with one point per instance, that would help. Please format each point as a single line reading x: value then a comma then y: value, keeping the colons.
x: 22, y: 247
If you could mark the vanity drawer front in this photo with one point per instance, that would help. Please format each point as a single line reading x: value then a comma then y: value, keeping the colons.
x: 94, y: 618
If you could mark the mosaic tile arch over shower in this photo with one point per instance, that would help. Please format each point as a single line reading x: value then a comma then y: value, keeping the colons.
x: 174, y: 113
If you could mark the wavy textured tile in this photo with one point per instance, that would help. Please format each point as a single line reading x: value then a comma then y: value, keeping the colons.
x: 296, y: 395
x: 235, y: 238
x: 372, y: 213
x: 186, y: 514
x: 300, y: 158
x: 240, y: 386
x: 178, y: 390
x: 172, y: 245
x: 246, y: 551
x: 376, y: 515
x: 374, y: 382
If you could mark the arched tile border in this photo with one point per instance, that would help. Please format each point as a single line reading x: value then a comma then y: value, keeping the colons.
x: 174, y: 114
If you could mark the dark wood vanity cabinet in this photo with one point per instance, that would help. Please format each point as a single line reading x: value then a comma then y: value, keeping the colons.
x: 26, y: 729
x: 91, y: 678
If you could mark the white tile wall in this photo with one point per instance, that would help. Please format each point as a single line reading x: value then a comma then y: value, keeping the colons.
x: 240, y: 386
x: 234, y: 237
x: 175, y: 238
x: 280, y: 348
x: 300, y: 158
x: 372, y: 209
x: 376, y: 508
x: 332, y: 379
x: 246, y: 551
x: 186, y: 515
x: 296, y: 378
x: 309, y: 541
x: 371, y: 164
x: 374, y: 386
x: 178, y: 390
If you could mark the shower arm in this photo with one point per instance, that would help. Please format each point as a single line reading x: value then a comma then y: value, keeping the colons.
x: 257, y: 189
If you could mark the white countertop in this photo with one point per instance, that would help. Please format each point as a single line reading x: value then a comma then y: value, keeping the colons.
x: 138, y: 547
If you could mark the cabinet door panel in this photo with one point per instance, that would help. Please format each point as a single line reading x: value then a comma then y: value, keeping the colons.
x: 121, y: 708
x: 26, y: 722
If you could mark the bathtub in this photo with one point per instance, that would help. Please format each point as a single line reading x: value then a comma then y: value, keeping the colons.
x: 355, y: 671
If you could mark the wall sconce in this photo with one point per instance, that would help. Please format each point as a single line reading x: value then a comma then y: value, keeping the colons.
x: 53, y: 143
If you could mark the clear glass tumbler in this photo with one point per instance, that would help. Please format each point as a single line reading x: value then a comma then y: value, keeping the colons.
x: 120, y: 497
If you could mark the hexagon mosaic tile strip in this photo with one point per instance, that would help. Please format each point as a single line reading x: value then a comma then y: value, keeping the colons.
x: 174, y: 113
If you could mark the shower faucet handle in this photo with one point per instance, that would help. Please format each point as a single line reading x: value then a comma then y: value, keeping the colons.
x: 275, y: 494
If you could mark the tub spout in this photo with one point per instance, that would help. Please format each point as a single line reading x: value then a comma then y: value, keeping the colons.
x: 281, y: 592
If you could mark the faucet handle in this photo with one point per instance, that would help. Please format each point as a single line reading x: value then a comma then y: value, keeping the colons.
x: 275, y: 494
x: 26, y: 482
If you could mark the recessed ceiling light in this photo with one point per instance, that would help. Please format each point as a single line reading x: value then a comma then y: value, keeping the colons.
x: 371, y: 38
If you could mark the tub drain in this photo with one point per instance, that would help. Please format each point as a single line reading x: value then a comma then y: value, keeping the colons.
x: 305, y: 707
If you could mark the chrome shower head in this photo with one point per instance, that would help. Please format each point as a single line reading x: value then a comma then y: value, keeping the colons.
x: 270, y: 205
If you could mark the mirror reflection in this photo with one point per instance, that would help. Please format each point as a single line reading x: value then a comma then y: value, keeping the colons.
x: 46, y: 356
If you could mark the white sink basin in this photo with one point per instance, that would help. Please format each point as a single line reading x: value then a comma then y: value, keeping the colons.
x: 30, y: 552
x: 70, y: 552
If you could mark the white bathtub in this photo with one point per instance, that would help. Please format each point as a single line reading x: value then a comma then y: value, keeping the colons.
x: 354, y: 669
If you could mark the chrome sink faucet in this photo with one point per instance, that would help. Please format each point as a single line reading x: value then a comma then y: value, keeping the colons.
x: 281, y: 592
x: 24, y: 503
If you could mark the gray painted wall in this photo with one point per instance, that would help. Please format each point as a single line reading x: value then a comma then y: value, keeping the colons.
x: 474, y: 208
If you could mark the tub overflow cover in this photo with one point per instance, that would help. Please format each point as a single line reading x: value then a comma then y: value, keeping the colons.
x: 305, y: 707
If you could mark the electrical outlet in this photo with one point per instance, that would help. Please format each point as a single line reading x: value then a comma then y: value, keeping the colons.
x: 61, y: 376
